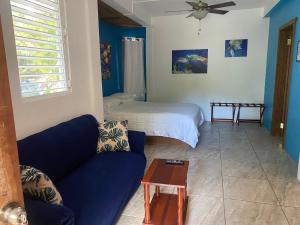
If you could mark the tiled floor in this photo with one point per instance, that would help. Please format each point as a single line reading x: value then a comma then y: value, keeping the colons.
x: 237, y: 176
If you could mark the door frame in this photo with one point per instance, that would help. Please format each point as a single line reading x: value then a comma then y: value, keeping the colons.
x: 292, y: 23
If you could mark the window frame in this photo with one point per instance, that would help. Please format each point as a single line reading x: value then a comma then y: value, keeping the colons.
x: 67, y: 67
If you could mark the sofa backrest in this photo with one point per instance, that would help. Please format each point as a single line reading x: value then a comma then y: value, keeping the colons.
x: 59, y: 150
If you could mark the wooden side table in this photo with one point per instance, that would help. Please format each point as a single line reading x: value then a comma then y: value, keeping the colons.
x: 165, y: 209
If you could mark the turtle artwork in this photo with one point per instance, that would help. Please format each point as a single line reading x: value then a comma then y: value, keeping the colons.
x: 236, y: 48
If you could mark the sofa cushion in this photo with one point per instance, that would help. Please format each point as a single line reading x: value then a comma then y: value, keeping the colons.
x: 98, y: 191
x: 113, y: 136
x: 59, y: 150
x: 38, y: 186
x: 40, y: 213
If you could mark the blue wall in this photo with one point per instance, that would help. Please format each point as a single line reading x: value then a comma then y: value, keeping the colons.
x: 285, y: 11
x: 113, y: 34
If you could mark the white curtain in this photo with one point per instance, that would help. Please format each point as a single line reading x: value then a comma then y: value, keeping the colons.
x: 134, y: 77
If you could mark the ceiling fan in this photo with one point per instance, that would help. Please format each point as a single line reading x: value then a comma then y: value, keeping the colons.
x: 201, y: 9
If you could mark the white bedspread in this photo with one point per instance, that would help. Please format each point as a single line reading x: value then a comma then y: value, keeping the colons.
x: 174, y: 120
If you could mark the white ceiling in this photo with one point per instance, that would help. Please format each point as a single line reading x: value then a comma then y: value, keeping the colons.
x: 143, y: 10
x: 159, y: 7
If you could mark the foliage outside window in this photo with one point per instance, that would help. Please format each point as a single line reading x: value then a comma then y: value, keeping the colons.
x: 40, y: 43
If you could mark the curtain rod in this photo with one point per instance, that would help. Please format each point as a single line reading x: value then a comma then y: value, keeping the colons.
x: 132, y: 39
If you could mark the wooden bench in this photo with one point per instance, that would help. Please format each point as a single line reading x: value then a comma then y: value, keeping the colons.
x: 251, y: 105
x: 234, y: 106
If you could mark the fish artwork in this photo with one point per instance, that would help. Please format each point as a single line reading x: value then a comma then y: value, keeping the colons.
x: 190, y: 61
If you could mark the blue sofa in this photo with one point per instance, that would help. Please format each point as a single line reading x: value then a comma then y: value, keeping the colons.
x: 95, y: 188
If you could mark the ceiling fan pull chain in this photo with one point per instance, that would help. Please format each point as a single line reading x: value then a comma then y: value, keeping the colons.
x: 200, y: 27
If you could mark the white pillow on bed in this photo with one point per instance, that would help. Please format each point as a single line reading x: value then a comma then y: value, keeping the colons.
x: 124, y: 96
x: 127, y: 100
x: 110, y: 103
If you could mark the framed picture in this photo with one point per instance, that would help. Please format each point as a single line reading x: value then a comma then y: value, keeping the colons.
x: 236, y: 48
x: 298, y: 52
x: 105, y: 52
x: 189, y: 61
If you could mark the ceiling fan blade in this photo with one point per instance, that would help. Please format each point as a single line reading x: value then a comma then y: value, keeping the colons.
x: 216, y: 11
x: 189, y: 10
x: 191, y: 15
x: 221, y: 5
x: 194, y: 4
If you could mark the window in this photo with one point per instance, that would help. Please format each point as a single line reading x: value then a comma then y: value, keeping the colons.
x: 41, y: 43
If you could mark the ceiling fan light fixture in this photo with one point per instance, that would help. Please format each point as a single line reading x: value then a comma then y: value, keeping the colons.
x: 200, y: 14
x: 201, y: 9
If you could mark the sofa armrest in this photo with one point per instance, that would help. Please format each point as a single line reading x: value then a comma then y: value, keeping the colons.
x: 137, y: 141
x: 40, y: 213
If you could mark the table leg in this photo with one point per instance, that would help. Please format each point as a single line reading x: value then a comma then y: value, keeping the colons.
x: 180, y: 206
x: 147, y: 203
x: 157, y: 191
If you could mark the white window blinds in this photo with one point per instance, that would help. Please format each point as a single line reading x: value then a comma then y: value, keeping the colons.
x: 40, y: 43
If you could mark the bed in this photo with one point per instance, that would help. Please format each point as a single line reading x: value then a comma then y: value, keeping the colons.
x: 179, y: 121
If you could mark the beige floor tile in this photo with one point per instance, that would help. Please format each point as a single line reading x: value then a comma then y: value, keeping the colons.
x: 233, y: 133
x: 265, y: 144
x: 249, y: 190
x: 288, y: 192
x: 236, y: 143
x: 135, y: 206
x: 209, y: 134
x: 272, y: 156
x: 239, y: 154
x: 249, y: 199
x: 201, y: 168
x: 247, y: 213
x: 228, y: 128
x: 293, y: 215
x: 169, y: 152
x: 129, y: 220
x: 211, y: 144
x: 254, y: 128
x: 207, y: 126
x: 204, y: 210
x: 205, y: 185
x: 202, y: 153
x: 280, y: 171
x: 250, y: 170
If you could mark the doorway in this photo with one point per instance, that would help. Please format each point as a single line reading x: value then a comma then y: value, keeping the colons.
x: 283, y: 75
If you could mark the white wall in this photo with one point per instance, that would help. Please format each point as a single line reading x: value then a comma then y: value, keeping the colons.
x: 228, y: 79
x: 86, y: 95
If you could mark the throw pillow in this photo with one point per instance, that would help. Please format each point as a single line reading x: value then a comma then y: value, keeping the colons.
x: 38, y: 186
x: 113, y: 136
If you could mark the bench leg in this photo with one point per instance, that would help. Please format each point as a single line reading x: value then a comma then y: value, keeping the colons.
x: 212, y: 114
x: 233, y: 114
x: 238, y: 116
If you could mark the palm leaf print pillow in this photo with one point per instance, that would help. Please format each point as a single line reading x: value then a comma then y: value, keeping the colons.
x: 113, y: 136
x: 38, y: 186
